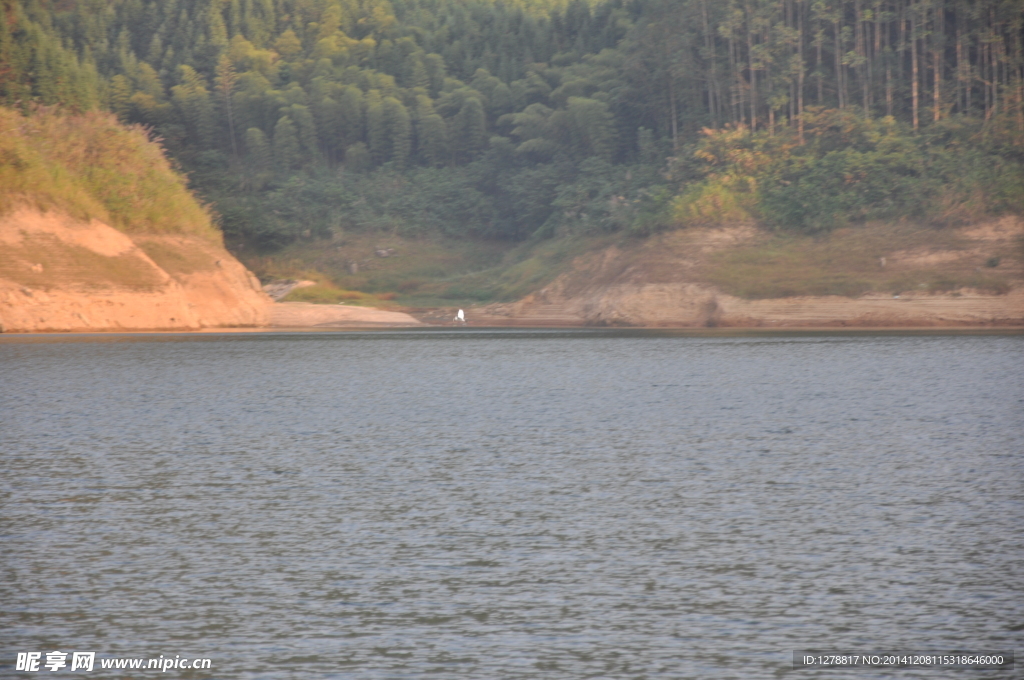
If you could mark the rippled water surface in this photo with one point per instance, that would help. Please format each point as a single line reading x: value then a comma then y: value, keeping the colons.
x: 511, y: 504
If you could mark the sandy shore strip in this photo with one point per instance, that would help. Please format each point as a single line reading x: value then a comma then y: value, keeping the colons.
x: 309, y: 315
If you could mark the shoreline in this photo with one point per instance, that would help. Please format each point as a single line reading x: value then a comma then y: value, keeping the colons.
x: 732, y: 331
x: 304, y: 317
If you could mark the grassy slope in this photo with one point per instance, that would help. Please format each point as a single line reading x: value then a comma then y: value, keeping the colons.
x: 438, y: 272
x: 59, y: 263
x: 90, y: 167
x: 849, y: 262
x: 423, y: 272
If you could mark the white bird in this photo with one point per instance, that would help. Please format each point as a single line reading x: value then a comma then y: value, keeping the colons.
x: 461, y: 316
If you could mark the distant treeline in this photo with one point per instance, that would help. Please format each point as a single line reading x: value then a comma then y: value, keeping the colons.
x: 537, y: 116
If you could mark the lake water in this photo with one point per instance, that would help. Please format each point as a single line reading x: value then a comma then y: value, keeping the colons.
x: 511, y: 504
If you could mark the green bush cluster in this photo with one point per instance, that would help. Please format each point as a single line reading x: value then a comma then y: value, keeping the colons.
x: 854, y: 169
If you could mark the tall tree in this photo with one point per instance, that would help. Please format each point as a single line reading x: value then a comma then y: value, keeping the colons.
x: 287, y: 152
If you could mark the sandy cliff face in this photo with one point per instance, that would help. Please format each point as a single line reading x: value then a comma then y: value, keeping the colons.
x: 659, y: 284
x: 59, y: 274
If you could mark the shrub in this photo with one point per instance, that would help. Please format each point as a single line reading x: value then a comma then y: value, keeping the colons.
x: 718, y: 201
x: 852, y: 170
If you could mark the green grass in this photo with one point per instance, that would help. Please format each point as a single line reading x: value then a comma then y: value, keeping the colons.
x: 424, y: 272
x: 439, y: 272
x: 64, y: 262
x: 91, y: 167
x: 324, y: 294
x: 176, y: 259
x: 848, y: 263
x: 786, y: 267
x: 419, y: 270
x: 939, y: 282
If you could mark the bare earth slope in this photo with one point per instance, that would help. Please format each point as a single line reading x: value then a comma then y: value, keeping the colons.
x: 677, y: 279
x: 60, y: 274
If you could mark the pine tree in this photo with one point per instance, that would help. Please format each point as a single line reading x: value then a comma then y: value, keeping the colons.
x: 327, y: 114
x: 350, y: 116
x: 500, y: 102
x: 257, y: 150
x: 432, y: 138
x: 469, y: 129
x: 647, y: 150
x: 120, y: 95
x: 302, y: 117
x: 436, y: 72
x: 357, y: 158
x: 418, y: 77
x: 192, y: 100
x: 376, y: 128
x: 591, y: 128
x: 399, y: 131
x: 287, y: 153
x: 226, y: 80
x: 288, y: 44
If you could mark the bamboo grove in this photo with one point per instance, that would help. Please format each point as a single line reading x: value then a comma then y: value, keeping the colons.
x: 539, y: 111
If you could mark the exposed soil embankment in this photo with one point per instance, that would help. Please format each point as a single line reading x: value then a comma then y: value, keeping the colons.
x: 953, y: 277
x: 60, y: 274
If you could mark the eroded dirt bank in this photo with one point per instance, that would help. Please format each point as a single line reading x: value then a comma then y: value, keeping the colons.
x: 61, y: 274
x: 669, y: 280
x: 681, y: 305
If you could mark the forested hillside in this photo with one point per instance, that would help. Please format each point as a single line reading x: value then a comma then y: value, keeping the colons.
x: 517, y: 119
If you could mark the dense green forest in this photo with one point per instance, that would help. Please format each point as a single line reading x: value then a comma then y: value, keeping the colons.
x: 517, y: 119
